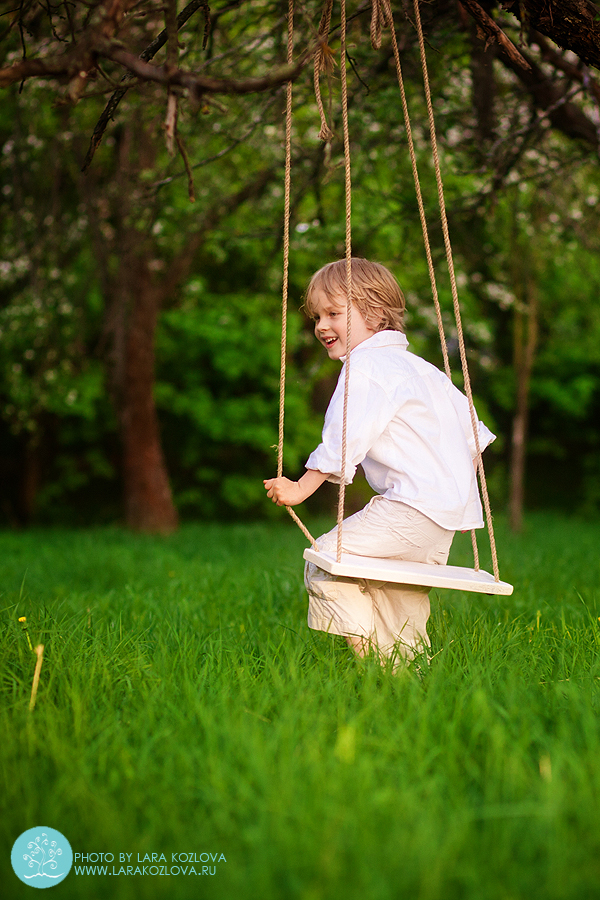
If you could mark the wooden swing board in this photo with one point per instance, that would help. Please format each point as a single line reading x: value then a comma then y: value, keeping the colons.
x: 400, y: 572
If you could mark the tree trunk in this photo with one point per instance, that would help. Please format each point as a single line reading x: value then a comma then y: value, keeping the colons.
x: 148, y: 500
x: 525, y: 340
x: 31, y: 479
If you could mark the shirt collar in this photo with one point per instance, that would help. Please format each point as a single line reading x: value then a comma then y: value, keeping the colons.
x: 382, y: 339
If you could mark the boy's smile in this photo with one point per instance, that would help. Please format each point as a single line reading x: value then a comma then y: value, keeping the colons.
x: 330, y: 324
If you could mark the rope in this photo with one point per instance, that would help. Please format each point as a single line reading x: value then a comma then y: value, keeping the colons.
x: 286, y: 238
x: 286, y: 266
x: 457, y: 314
x: 348, y: 191
x: 388, y: 17
x: 376, y: 24
x: 381, y: 13
x: 387, y: 12
x: 322, y: 62
x: 302, y: 527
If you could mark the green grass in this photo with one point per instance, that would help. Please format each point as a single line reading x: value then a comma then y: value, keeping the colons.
x: 184, y: 706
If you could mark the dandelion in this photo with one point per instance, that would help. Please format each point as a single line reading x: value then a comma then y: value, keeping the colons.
x: 23, y: 621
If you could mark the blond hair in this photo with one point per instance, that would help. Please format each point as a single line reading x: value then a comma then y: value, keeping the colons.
x: 375, y: 292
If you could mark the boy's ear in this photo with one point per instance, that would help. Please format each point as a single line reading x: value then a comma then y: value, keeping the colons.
x: 377, y: 318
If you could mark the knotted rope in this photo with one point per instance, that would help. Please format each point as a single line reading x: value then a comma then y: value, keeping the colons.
x: 323, y: 62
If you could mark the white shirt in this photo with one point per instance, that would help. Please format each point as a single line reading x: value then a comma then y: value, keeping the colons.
x: 410, y: 428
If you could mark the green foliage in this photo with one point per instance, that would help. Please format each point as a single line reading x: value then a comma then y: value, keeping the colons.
x: 218, y: 393
x: 63, y: 239
x: 43, y: 368
x: 48, y: 305
x: 184, y: 706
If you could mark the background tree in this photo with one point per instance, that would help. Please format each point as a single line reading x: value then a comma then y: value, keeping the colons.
x: 148, y: 263
x: 134, y: 268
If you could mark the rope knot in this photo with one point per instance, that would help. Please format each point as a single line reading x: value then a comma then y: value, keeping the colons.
x: 323, y: 63
x: 325, y: 134
x: 377, y: 22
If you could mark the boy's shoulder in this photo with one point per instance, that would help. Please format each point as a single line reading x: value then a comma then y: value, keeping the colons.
x: 388, y: 348
x: 381, y: 346
x: 385, y: 358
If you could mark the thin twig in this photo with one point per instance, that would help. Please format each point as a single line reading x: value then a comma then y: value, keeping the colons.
x: 182, y: 150
x: 171, y: 65
x: 352, y: 62
x: 536, y: 123
x: 221, y: 153
x: 207, y: 24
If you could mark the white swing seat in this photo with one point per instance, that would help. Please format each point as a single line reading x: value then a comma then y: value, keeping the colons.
x: 399, y: 572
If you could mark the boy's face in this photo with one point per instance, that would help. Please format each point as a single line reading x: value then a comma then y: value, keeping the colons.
x: 330, y: 324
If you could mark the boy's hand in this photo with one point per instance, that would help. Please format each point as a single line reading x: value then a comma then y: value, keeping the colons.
x: 283, y: 492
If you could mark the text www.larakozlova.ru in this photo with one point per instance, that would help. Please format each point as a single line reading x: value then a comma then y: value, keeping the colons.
x: 195, y: 864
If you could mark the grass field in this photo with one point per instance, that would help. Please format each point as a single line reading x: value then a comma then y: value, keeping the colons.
x: 185, y: 707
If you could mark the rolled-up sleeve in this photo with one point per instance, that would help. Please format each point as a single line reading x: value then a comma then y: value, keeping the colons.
x: 461, y: 405
x: 370, y: 410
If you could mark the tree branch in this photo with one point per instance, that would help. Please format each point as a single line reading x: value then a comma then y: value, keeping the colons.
x: 36, y: 68
x: 494, y: 33
x: 575, y: 73
x: 554, y: 102
x: 572, y: 24
x: 79, y: 60
x: 128, y: 80
x: 204, y: 84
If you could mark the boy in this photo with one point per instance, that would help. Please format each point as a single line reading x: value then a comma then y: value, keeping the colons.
x: 410, y: 428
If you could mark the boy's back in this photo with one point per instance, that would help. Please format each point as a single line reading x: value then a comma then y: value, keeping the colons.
x: 411, y: 430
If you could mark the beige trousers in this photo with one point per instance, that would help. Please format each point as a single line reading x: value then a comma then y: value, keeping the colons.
x: 393, y: 617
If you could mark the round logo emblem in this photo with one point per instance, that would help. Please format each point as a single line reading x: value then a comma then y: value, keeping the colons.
x: 41, y: 857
